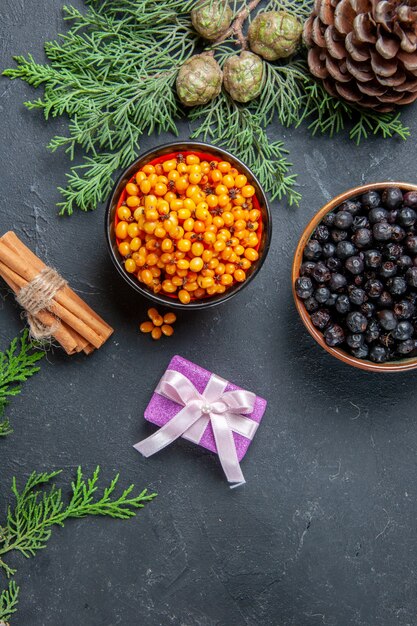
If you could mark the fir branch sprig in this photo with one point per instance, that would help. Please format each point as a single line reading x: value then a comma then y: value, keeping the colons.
x: 17, y: 364
x: 36, y: 510
x: 113, y: 73
x: 9, y: 598
x: 245, y: 136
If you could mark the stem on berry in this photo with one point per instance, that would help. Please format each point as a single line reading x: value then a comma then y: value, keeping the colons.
x: 236, y: 28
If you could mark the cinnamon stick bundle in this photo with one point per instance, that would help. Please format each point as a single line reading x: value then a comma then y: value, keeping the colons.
x: 67, y: 318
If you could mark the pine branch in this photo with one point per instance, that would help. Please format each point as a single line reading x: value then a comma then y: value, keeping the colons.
x: 8, y: 602
x: 29, y: 523
x: 17, y: 364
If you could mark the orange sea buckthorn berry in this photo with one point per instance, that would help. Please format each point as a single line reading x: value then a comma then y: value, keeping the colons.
x: 184, y: 245
x: 121, y: 230
x: 222, y: 190
x: 124, y: 248
x: 168, y: 286
x: 199, y: 226
x: 169, y: 165
x: 146, y: 277
x: 209, y: 237
x: 132, y: 202
x: 223, y: 200
x: 248, y: 191
x: 160, y: 189
x: 205, y: 282
x: 239, y: 275
x: 132, y: 189
x: 228, y: 181
x: 135, y: 244
x: 188, y: 225
x: 167, y: 245
x: 183, y: 264
x: 145, y: 186
x: 170, y: 196
x: 219, y: 245
x: 197, y: 248
x: 224, y: 167
x: 251, y: 254
x: 216, y: 176
x: 152, y: 312
x: 212, y: 200
x: 153, y: 179
x: 192, y: 159
x: 148, y: 169
x: 158, y: 320
x: 167, y: 330
x: 226, y: 279
x: 140, y: 176
x: 196, y: 264
x: 170, y: 318
x: 240, y: 181
x: 146, y: 327
x: 133, y: 230
x: 184, y: 297
x: 124, y: 213
x: 176, y: 205
x: 218, y: 221
x: 156, y: 333
x: 195, y: 178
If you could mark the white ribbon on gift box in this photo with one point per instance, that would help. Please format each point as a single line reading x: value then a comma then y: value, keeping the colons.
x: 225, y: 410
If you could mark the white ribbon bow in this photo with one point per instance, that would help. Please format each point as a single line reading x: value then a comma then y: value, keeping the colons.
x: 223, y: 409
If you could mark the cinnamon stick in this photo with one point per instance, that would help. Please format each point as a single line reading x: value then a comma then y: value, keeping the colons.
x: 81, y: 328
x: 22, y: 265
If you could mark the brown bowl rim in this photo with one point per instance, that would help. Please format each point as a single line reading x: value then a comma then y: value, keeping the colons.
x: 390, y: 366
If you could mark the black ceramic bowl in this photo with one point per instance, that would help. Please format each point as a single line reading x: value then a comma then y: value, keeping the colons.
x: 210, y: 151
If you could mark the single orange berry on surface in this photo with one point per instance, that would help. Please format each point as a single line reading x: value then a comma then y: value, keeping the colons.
x: 158, y: 320
x: 167, y: 330
x: 156, y: 333
x: 146, y: 327
x: 170, y: 318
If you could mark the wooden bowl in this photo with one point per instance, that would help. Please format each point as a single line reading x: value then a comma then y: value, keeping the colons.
x: 401, y: 365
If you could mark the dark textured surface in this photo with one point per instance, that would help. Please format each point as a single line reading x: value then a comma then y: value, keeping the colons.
x: 324, y: 532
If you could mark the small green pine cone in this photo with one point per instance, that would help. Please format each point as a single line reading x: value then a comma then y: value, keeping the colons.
x: 244, y: 76
x: 211, y: 18
x: 199, y: 80
x: 275, y: 34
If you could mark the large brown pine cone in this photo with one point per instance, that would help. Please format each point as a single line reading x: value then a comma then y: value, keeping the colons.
x: 365, y: 51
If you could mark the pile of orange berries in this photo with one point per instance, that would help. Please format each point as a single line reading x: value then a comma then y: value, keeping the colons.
x: 188, y: 227
x: 158, y: 325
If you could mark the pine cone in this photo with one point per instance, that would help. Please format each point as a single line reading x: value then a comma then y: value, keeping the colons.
x: 365, y: 51
x: 243, y: 76
x: 199, y: 80
x: 274, y: 34
x: 211, y: 18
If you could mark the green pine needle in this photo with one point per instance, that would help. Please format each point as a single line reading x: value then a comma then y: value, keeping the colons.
x: 113, y: 74
x: 8, y: 602
x: 38, y: 507
x: 17, y: 364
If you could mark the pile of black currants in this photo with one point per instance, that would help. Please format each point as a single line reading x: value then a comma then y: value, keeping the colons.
x: 358, y: 279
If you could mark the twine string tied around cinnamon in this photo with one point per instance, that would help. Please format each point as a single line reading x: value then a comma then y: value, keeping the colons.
x: 37, y: 296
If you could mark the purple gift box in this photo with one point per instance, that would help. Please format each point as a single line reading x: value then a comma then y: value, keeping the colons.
x: 161, y: 410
